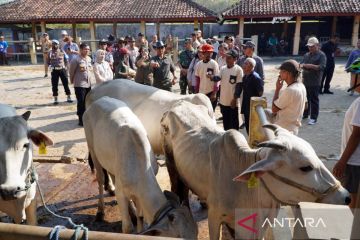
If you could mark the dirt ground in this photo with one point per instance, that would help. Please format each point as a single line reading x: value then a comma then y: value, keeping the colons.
x: 70, y: 189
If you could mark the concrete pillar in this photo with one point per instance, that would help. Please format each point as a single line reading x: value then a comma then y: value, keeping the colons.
x: 92, y: 36
x: 333, y: 26
x: 74, y: 32
x: 158, y: 30
x: 33, y: 31
x: 143, y: 27
x: 255, y: 39
x: 196, y: 24
x: 176, y: 49
x: 114, y: 30
x: 285, y: 30
x: 43, y: 26
x: 32, y: 51
x: 355, y: 33
x: 241, y: 28
x: 297, y: 36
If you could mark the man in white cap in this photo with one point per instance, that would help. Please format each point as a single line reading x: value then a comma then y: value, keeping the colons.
x: 313, y: 66
x: 62, y: 43
x: 199, y: 37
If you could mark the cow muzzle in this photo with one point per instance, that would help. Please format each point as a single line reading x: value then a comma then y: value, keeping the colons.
x: 9, y: 192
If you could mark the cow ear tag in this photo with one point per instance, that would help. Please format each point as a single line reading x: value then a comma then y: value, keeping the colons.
x: 42, y: 148
x: 253, y: 182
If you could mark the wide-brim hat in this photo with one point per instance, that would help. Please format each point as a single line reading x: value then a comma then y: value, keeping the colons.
x: 159, y: 44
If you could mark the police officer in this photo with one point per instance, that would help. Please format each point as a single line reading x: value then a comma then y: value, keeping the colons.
x: 185, y: 59
x: 57, y: 60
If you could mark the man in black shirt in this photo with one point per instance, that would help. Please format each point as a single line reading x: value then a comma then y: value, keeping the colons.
x: 252, y: 86
x: 329, y: 48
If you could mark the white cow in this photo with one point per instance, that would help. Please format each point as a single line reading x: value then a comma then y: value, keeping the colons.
x: 148, y: 103
x: 207, y: 159
x: 17, y: 187
x: 117, y: 142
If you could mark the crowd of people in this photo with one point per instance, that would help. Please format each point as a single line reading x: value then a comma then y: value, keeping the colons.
x: 228, y: 72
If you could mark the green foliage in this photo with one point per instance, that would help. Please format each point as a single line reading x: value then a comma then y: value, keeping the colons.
x: 216, y: 5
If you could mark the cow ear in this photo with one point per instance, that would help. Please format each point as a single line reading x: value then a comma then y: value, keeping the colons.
x: 26, y: 115
x: 259, y: 168
x: 275, y: 144
x: 38, y: 137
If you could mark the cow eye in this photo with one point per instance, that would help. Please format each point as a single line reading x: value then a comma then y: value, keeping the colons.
x: 26, y: 145
x: 306, y: 169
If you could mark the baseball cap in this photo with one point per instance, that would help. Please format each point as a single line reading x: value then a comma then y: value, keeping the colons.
x: 55, y: 42
x: 249, y: 44
x: 187, y: 40
x: 232, y: 53
x: 140, y: 35
x: 131, y: 39
x: 207, y: 48
x: 229, y: 38
x: 159, y: 44
x: 312, y: 41
x: 102, y: 41
x: 64, y: 32
x: 291, y: 66
x: 45, y: 34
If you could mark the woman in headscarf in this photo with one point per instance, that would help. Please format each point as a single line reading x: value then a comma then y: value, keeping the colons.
x: 102, y: 69
x: 144, y: 71
x: 123, y: 69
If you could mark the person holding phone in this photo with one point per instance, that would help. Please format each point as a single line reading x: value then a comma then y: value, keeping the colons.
x: 289, y: 103
x: 143, y: 72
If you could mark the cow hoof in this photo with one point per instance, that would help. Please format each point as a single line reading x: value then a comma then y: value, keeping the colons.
x: 99, y: 217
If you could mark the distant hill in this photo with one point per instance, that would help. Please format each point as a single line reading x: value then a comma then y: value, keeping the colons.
x: 216, y: 5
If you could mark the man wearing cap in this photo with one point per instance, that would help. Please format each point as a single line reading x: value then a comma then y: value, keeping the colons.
x: 251, y: 86
x: 229, y: 40
x: 249, y: 48
x: 185, y: 58
x: 62, y: 42
x: 230, y: 75
x: 57, y: 60
x: 141, y: 41
x: 289, y: 103
x: 3, y: 51
x: 71, y: 48
x: 329, y: 48
x: 133, y: 51
x: 313, y: 65
x: 207, y: 75
x: 45, y: 47
x: 151, y: 45
x: 161, y: 66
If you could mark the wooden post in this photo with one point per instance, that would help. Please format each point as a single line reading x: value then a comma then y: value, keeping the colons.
x: 333, y: 26
x: 176, y: 49
x: 114, y: 30
x: 33, y: 31
x: 143, y: 27
x: 297, y: 36
x: 158, y: 30
x: 74, y: 33
x: 32, y: 51
x: 202, y: 28
x: 196, y: 24
x: 43, y: 26
x: 241, y: 28
x: 355, y: 33
x: 285, y: 29
x: 92, y: 36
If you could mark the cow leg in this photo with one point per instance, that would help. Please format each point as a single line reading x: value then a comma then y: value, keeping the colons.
x: 100, y: 179
x: 177, y: 185
x: 214, y: 225
x: 31, y: 216
x: 123, y: 203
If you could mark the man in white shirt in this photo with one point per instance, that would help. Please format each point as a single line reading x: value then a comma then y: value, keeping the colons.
x: 133, y: 51
x: 289, y: 103
x: 230, y: 75
x: 207, y: 74
x: 349, y: 163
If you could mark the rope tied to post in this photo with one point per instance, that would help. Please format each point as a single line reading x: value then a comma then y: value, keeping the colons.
x: 55, y: 233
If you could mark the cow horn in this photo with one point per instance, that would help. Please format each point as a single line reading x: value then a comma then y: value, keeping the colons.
x: 270, y: 126
x: 26, y: 115
x: 273, y: 144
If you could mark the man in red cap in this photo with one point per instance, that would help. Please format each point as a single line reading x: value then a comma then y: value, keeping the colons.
x: 207, y: 75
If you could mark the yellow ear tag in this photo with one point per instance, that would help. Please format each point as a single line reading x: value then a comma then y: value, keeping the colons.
x: 253, y: 182
x: 42, y: 148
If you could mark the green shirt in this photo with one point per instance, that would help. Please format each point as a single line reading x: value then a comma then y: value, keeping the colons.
x: 185, y: 58
x: 162, y: 77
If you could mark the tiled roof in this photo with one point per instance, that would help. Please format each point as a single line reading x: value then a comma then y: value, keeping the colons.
x: 271, y: 8
x: 103, y: 11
